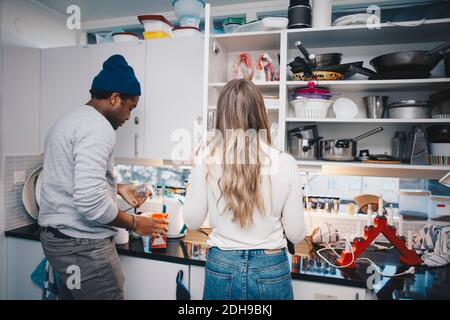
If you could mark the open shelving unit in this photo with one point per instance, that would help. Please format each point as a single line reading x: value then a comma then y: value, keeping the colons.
x: 358, y: 43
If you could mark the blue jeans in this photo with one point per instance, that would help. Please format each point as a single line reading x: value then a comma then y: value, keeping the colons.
x: 247, y: 275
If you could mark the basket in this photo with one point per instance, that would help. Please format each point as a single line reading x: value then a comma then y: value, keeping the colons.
x: 319, y: 75
x: 311, y: 108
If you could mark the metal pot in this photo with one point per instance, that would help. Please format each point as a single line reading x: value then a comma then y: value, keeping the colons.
x: 410, y: 109
x: 375, y: 106
x: 343, y: 149
x: 303, y: 142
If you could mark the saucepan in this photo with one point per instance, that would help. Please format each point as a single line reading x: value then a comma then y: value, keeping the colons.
x: 343, y: 149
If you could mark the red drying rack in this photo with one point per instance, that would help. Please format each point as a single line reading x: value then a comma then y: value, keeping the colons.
x: 380, y: 225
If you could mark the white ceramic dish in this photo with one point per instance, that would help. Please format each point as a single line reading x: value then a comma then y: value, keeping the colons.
x: 353, y: 19
x: 345, y: 108
x: 29, y: 194
x: 124, y: 37
x: 311, y: 108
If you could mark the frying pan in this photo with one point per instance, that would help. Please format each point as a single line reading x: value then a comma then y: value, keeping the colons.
x: 300, y: 65
x: 319, y: 60
x: 420, y: 61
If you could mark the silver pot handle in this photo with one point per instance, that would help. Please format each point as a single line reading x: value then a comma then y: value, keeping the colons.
x: 368, y: 134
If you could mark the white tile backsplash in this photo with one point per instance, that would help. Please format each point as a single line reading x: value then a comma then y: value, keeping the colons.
x: 15, y: 213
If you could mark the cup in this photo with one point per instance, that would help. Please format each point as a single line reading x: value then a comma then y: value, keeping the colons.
x: 161, y: 241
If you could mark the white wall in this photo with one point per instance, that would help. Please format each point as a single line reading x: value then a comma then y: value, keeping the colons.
x: 24, y: 29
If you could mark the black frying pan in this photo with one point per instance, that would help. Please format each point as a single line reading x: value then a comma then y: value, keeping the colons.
x: 319, y: 60
x: 420, y: 61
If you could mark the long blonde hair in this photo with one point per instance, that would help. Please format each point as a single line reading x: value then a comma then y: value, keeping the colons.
x: 241, y: 124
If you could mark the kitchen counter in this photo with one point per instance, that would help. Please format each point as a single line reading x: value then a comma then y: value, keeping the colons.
x: 426, y: 283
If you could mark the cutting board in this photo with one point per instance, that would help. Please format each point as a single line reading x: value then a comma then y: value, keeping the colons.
x: 381, y: 162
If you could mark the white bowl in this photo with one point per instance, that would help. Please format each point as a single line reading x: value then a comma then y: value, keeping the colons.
x: 311, y: 108
x: 188, y: 8
x: 125, y: 37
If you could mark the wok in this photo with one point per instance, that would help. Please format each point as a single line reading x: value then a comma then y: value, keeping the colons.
x: 420, y: 61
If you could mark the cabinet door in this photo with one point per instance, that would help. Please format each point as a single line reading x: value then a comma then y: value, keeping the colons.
x: 129, y: 142
x: 173, y: 97
x: 307, y: 290
x: 147, y: 279
x: 197, y: 280
x: 23, y: 258
x: 64, y: 84
x: 20, y: 114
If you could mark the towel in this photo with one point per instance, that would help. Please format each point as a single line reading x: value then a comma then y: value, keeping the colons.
x: 433, y: 243
x: 47, y: 280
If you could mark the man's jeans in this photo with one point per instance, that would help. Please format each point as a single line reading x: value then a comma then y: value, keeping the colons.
x: 247, y: 275
x: 89, y: 269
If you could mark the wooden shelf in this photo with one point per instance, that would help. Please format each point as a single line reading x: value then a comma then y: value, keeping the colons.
x: 249, y: 41
x: 377, y: 170
x: 346, y: 36
x: 411, y: 85
x: 381, y: 121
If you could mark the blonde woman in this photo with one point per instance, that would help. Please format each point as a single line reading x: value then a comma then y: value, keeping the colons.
x: 253, y: 196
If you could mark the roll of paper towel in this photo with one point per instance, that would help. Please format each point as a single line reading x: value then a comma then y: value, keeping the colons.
x: 322, y: 12
x: 122, y: 236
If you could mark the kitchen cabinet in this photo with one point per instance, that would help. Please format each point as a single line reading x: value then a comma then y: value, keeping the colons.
x: 147, y: 279
x: 23, y: 258
x: 64, y: 84
x: 356, y: 43
x: 130, y: 137
x: 197, y: 281
x: 173, y: 91
x: 307, y: 290
x: 20, y: 114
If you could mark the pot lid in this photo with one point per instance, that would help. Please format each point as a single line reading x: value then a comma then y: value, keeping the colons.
x: 410, y: 103
x: 142, y: 19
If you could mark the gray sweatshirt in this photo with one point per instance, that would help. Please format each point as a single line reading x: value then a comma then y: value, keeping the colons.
x: 78, y: 194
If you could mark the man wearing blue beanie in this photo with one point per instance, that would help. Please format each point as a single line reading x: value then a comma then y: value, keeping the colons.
x: 78, y: 211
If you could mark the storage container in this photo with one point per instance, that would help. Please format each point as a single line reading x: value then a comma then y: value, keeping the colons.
x: 156, y: 35
x: 190, y: 22
x: 414, y: 203
x: 156, y: 23
x: 125, y: 37
x: 311, y: 108
x: 266, y: 24
x: 440, y: 207
x: 185, y: 32
x: 230, y: 25
x: 188, y: 8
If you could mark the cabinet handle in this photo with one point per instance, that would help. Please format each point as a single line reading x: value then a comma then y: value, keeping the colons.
x: 136, y: 145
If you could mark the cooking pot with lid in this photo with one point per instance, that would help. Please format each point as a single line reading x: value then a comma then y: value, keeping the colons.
x: 343, y: 149
x: 304, y: 143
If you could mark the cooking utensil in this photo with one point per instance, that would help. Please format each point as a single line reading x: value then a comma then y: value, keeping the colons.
x: 417, y: 147
x: 319, y: 60
x: 298, y: 67
x: 398, y: 144
x: 311, y: 108
x: 319, y: 76
x: 375, y: 106
x: 422, y: 61
x: 392, y: 75
x: 343, y: 149
x: 29, y: 194
x: 410, y: 109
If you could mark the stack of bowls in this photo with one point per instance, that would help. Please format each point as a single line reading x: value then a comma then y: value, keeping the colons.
x: 189, y: 12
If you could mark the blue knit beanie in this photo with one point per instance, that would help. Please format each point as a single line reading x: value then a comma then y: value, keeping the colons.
x: 117, y: 76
